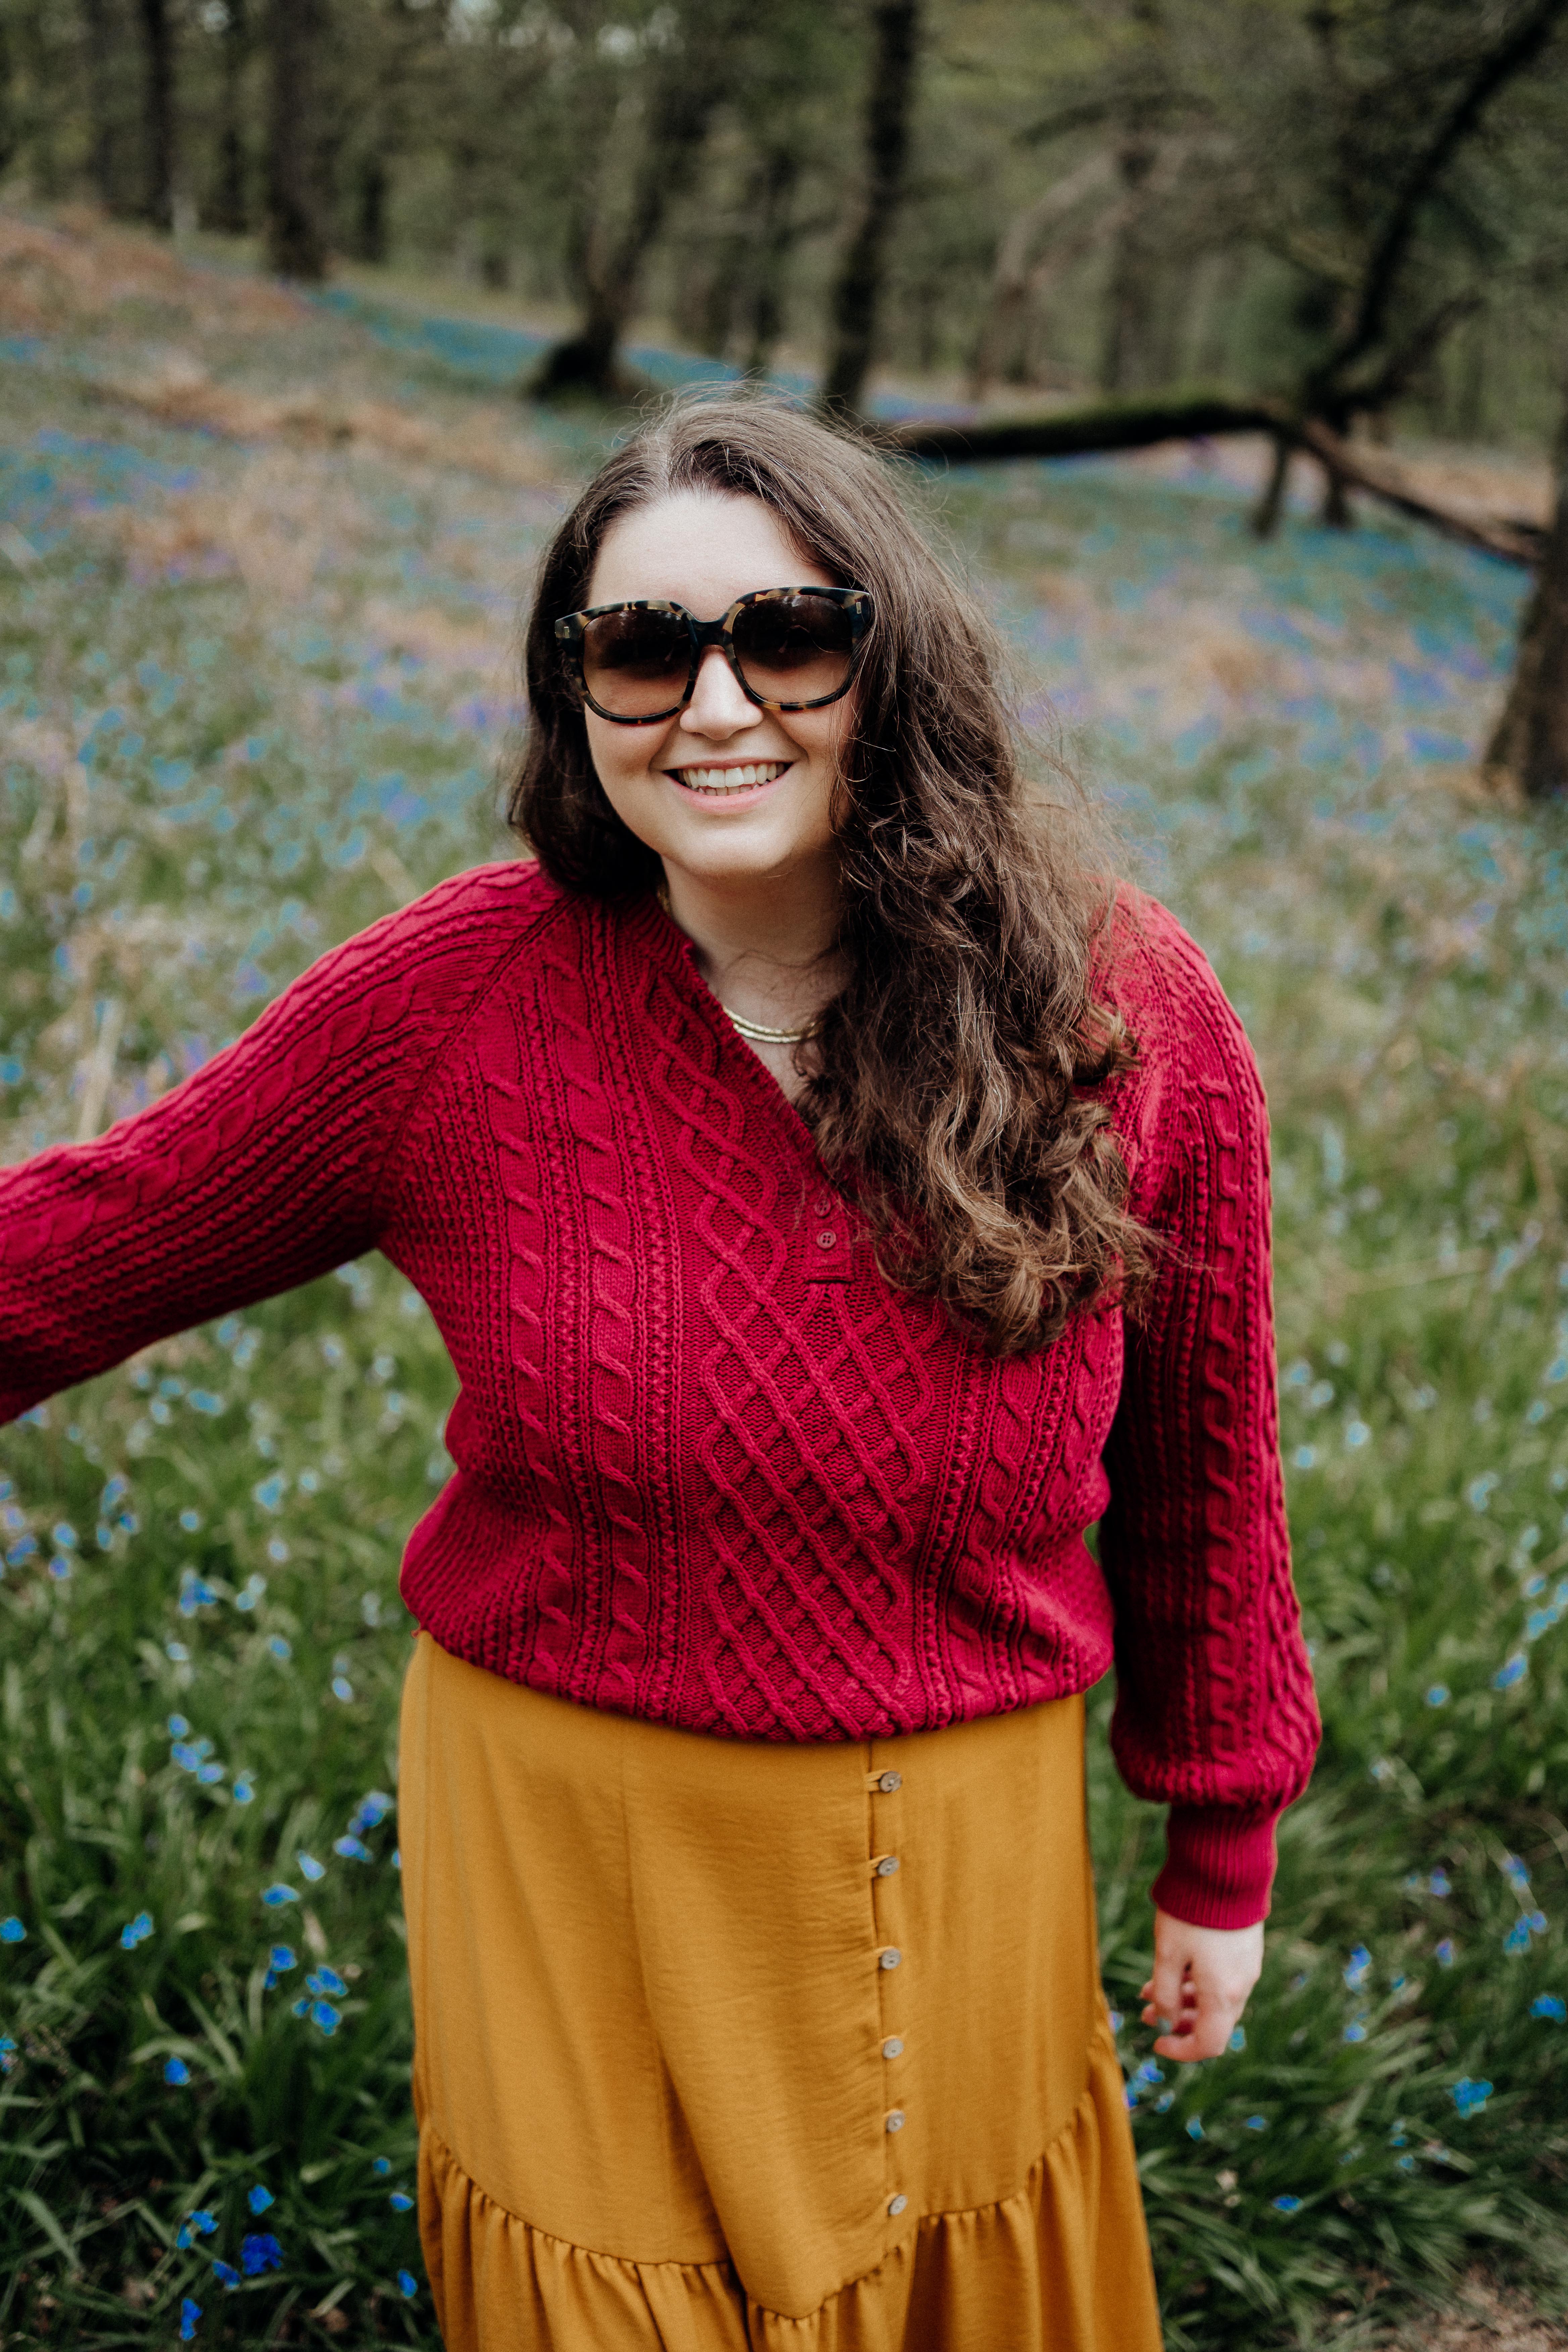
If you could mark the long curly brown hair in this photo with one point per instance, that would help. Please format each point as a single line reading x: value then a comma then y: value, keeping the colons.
x: 957, y: 1082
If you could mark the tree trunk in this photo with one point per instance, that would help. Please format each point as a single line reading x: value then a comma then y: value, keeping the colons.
x: 158, y: 113
x: 1528, y: 755
x: 230, y: 212
x: 296, y: 245
x: 1126, y: 360
x: 776, y: 234
x: 1271, y: 505
x: 373, y: 185
x: 858, y: 295
x: 102, y: 145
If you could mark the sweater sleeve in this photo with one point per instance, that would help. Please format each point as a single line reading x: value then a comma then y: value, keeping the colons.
x: 259, y: 1172
x: 1215, y: 1713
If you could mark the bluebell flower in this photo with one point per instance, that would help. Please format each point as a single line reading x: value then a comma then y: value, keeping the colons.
x: 136, y: 1931
x: 1444, y: 1954
x: 1536, y: 1922
x: 274, y: 1895
x: 1518, y: 1937
x: 1239, y: 2038
x: 1438, y: 1694
x: 210, y: 1774
x: 177, y: 1727
x: 178, y: 1653
x: 175, y: 2071
x: 189, y: 2314
x: 400, y: 2201
x: 64, y: 1537
x: 1512, y: 1672
x: 12, y: 1931
x: 408, y: 2282
x: 190, y: 1520
x: 1440, y: 1883
x: 1166, y: 2100
x: 7, y: 2053
x: 279, y: 1646
x: 371, y: 1811
x: 225, y: 2274
x: 324, y: 2015
x: 1258, y: 2122
x: 310, y: 1868
x: 1406, y: 2163
x: 1470, y: 2097
x: 381, y: 2166
x: 1355, y: 1974
x: 1517, y: 1875
x: 1194, y: 2127
x: 342, y: 1688
x: 1549, y: 2004
x: 259, y: 2198
x: 282, y: 1958
x: 270, y: 1492
x: 300, y: 2009
x: 1149, y: 2073
x: 325, y: 1979
x: 1287, y: 2204
x: 352, y: 1849
x: 260, y: 2254
x: 244, y: 1788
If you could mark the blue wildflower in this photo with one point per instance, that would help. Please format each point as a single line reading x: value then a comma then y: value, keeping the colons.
x: 279, y: 1646
x: 1194, y: 2127
x: 189, y: 2314
x: 136, y: 1931
x: 1516, y: 1874
x: 1444, y: 1954
x: 1356, y: 1972
x: 260, y: 2254
x: 1355, y: 2031
x: 1514, y: 1671
x: 1518, y: 1937
x: 225, y: 2274
x: 190, y: 1520
x: 1470, y: 2096
x: 274, y: 1895
x: 1440, y: 1883
x: 381, y: 2166
x: 1438, y: 1694
x: 1287, y: 2204
x: 352, y: 1849
x: 175, y: 2071
x: 342, y: 1688
x: 244, y: 1788
x: 12, y: 1931
x: 177, y: 1727
x: 325, y: 1979
x: 371, y: 1811
x: 400, y: 2201
x: 1536, y: 1922
x: 281, y: 1956
x: 408, y: 2282
x: 259, y: 2198
x: 1258, y: 2122
x: 270, y: 1492
x: 1238, y: 2038
x: 1549, y: 2004
x: 310, y: 1868
x: 1149, y: 2073
x: 324, y: 2015
x: 7, y: 2053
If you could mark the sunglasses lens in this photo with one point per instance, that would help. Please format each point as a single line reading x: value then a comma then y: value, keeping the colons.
x: 636, y: 664
x: 794, y: 647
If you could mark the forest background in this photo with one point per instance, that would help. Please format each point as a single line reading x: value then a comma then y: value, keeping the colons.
x: 310, y: 317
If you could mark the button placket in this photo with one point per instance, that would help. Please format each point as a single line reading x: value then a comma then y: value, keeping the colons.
x: 883, y: 1866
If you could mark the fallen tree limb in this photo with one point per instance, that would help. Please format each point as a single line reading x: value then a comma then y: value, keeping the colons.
x: 1102, y: 427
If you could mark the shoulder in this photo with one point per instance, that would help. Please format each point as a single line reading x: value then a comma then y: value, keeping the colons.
x: 1196, y: 1066
x: 447, y: 942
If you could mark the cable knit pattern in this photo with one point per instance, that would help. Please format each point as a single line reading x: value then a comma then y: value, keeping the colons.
x: 711, y: 1469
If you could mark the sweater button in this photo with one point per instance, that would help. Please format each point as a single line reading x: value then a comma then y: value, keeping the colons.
x: 823, y: 1208
x: 826, y: 1241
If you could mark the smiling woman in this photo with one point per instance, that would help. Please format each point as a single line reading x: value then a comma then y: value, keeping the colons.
x: 836, y: 1194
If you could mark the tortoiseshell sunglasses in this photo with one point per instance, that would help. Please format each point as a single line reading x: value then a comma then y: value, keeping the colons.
x: 789, y: 648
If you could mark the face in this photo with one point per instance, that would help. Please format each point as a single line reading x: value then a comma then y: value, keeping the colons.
x: 725, y: 791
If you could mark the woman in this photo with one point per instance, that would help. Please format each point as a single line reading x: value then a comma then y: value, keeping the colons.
x: 833, y: 1206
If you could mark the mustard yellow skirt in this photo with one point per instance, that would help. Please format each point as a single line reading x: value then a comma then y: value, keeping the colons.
x: 725, y: 2045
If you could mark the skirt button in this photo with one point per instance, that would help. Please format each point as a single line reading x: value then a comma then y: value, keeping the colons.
x: 896, y: 2205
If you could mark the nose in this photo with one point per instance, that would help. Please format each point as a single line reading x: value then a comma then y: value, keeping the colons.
x: 717, y: 706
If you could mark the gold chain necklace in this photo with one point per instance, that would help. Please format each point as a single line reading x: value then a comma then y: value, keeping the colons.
x: 755, y: 1033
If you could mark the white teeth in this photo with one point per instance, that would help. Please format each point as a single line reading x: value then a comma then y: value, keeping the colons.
x: 729, y: 780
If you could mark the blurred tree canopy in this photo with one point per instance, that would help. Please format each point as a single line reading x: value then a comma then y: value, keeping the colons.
x: 1336, y: 203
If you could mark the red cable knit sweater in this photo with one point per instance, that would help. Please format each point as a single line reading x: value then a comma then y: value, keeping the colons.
x: 711, y: 1469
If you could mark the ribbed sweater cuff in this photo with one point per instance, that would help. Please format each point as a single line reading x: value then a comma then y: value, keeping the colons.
x: 1219, y: 1865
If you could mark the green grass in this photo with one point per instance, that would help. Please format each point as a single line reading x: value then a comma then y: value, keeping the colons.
x: 264, y: 772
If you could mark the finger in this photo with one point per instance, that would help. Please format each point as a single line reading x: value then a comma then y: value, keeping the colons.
x: 1166, y: 1984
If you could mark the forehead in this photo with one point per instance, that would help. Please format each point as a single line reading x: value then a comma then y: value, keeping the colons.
x: 702, y: 549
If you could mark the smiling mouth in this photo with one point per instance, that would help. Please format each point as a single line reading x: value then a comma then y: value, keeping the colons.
x: 721, y: 781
